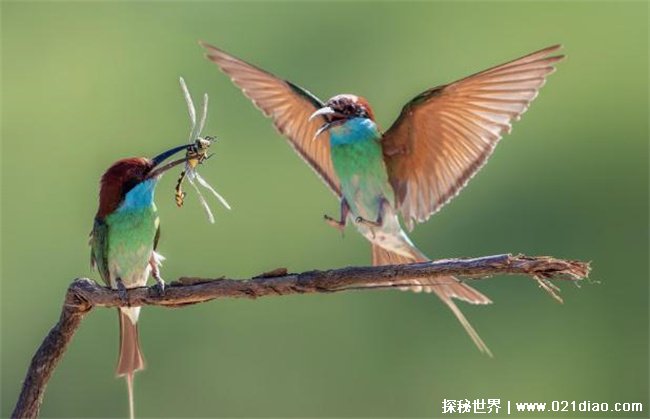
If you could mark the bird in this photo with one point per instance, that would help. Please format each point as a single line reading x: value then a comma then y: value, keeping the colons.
x: 439, y: 141
x: 123, y: 243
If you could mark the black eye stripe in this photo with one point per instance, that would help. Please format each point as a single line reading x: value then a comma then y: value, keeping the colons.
x: 133, y: 179
x: 128, y: 185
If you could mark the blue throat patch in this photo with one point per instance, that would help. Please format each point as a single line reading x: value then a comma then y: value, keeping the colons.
x: 354, y: 130
x: 141, y: 196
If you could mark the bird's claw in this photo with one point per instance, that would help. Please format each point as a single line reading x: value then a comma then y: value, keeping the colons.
x: 368, y: 223
x: 121, y: 292
x: 159, y: 287
x: 340, y: 226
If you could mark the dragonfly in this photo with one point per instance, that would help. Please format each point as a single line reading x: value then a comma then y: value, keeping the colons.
x: 197, y: 153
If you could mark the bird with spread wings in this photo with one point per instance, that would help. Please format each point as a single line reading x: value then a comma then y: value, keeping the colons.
x: 440, y: 140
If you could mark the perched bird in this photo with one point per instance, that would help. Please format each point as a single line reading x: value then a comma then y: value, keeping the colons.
x: 441, y: 139
x: 123, y: 243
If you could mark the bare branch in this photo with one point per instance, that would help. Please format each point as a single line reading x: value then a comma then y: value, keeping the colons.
x: 84, y: 294
x: 50, y: 353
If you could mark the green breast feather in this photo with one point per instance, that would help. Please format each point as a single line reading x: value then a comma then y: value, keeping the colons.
x: 358, y: 160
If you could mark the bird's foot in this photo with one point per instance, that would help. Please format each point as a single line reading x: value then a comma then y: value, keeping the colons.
x: 159, y: 286
x: 121, y: 292
x: 339, y: 225
x: 367, y: 223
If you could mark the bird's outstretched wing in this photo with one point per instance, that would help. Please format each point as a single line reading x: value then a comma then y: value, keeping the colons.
x: 288, y: 105
x: 445, y: 135
x: 99, y: 249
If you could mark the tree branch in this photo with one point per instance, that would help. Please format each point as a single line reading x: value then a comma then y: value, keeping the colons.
x: 83, y: 295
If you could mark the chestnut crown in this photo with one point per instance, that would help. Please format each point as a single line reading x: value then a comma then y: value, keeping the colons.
x: 119, y: 179
x: 351, y: 106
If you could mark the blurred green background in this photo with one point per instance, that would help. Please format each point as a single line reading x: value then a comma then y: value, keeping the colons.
x: 84, y: 84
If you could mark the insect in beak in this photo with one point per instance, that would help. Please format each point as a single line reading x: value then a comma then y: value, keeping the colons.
x: 157, y: 169
x: 197, y: 153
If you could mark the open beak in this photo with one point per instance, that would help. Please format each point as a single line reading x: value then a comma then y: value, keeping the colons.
x: 330, y: 116
x: 158, y: 170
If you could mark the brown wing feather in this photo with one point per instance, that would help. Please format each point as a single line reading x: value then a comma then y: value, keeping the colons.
x: 288, y: 105
x: 445, y: 135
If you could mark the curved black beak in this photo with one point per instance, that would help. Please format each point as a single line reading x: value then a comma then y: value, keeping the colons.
x: 158, y: 170
x: 330, y: 116
x: 167, y: 154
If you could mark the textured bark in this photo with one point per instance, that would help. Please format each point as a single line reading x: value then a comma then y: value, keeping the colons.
x: 50, y: 353
x: 84, y: 294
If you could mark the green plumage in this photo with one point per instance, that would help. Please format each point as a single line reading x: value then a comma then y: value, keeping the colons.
x: 122, y: 243
x: 99, y: 249
x: 359, y: 164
